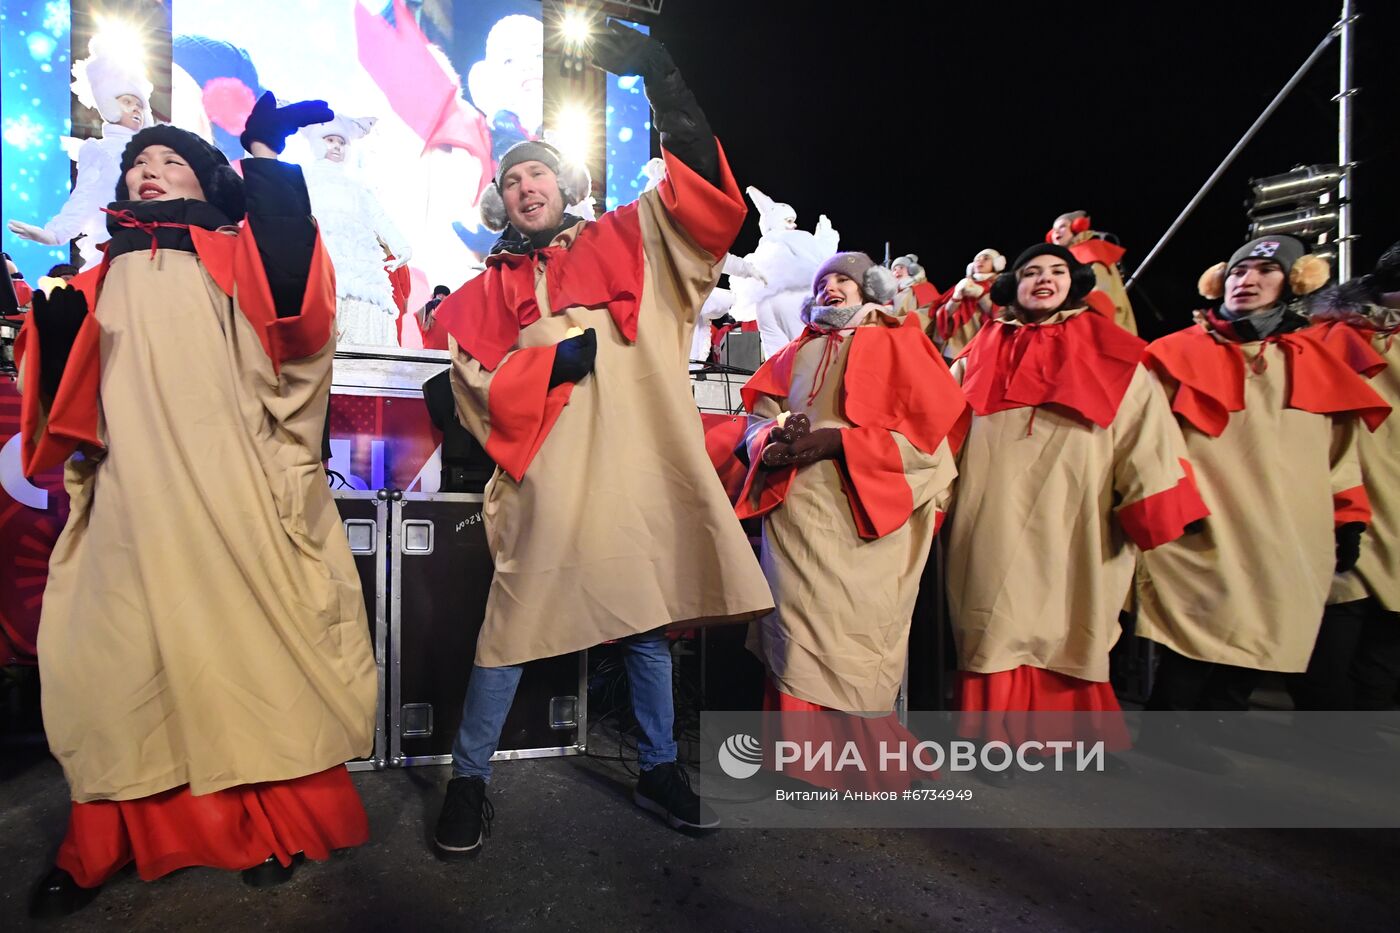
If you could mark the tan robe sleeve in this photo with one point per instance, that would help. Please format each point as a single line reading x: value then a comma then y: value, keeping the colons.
x: 1156, y: 496
x: 680, y: 274
x: 1349, y: 500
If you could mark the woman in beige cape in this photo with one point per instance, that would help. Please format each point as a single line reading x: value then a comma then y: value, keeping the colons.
x: 204, y: 647
x: 1072, y: 467
x: 850, y: 451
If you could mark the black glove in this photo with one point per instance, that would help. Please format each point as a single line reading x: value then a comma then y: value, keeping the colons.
x: 573, y: 358
x: 57, y: 318
x: 1349, y: 545
x: 625, y: 51
x: 270, y: 124
x: 679, y: 121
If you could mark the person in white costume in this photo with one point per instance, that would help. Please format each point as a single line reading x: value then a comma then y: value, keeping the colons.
x: 785, y: 261
x: 357, y: 232
x: 112, y: 81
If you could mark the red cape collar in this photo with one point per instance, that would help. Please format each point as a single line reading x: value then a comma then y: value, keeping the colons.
x: 1082, y: 364
x: 1210, y: 374
x: 599, y: 266
x: 894, y: 379
x: 1097, y: 249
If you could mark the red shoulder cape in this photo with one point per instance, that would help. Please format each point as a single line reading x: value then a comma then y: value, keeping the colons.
x: 1097, y: 249
x: 1082, y: 365
x: 1210, y: 377
x: 236, y: 267
x: 895, y: 381
x: 602, y: 267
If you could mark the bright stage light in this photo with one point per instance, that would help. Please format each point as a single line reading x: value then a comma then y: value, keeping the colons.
x: 576, y: 28
x: 572, y: 133
x: 121, y: 39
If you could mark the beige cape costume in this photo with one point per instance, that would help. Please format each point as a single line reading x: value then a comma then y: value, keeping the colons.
x: 605, y: 516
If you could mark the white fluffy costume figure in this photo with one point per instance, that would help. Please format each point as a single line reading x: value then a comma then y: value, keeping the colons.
x: 786, y: 258
x: 112, y: 81
x: 357, y: 232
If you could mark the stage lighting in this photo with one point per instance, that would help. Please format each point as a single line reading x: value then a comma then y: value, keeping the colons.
x: 576, y: 28
x: 1301, y: 203
x: 120, y: 38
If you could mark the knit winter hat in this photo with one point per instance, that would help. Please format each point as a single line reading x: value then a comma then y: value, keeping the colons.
x: 1303, y: 272
x: 575, y: 183
x: 530, y: 150
x: 222, y: 186
x: 909, y: 261
x: 877, y: 283
x: 1283, y: 250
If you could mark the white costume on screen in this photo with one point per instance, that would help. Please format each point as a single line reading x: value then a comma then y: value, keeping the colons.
x: 107, y: 73
x: 356, y: 230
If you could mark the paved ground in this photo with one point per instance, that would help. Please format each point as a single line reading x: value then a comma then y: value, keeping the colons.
x: 571, y: 852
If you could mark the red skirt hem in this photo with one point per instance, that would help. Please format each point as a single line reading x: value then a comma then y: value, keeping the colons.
x: 233, y: 829
x: 1067, y: 708
x: 839, y: 729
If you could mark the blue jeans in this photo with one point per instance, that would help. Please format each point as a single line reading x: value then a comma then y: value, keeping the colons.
x: 490, y: 691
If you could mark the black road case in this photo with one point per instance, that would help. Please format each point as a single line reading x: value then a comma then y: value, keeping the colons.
x: 440, y: 573
x: 366, y: 519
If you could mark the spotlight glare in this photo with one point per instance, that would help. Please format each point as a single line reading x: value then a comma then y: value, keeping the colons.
x: 576, y: 28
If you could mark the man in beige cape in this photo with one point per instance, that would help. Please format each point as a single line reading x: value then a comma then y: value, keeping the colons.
x: 605, y: 517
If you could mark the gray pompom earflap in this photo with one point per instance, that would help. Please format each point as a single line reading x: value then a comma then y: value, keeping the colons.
x: 493, y: 209
x: 879, y: 285
x: 575, y: 184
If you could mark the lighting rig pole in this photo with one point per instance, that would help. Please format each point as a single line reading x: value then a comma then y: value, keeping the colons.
x: 1345, y: 30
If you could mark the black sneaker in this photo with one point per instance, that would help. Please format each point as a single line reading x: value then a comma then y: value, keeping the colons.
x: 465, y: 819
x: 665, y: 791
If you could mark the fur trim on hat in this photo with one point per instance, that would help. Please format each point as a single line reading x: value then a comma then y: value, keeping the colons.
x: 493, y: 209
x: 1309, y: 273
x: 1211, y: 284
x: 575, y: 181
x: 879, y: 285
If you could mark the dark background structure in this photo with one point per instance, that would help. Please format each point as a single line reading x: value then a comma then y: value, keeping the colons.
x: 948, y: 127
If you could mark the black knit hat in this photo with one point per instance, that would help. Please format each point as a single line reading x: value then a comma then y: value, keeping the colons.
x: 222, y: 186
x: 1081, y: 275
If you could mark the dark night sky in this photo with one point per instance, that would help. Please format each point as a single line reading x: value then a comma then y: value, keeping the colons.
x: 948, y: 127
